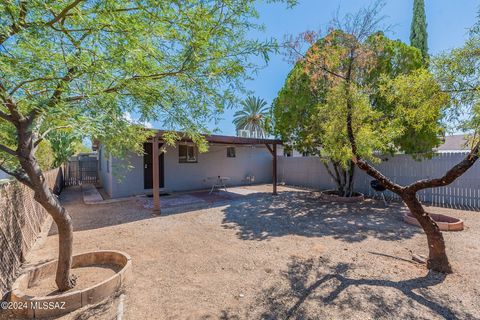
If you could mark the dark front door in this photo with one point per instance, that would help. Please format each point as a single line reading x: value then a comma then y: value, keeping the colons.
x: 148, y: 167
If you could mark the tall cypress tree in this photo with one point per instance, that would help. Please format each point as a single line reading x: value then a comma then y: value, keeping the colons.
x: 418, y: 30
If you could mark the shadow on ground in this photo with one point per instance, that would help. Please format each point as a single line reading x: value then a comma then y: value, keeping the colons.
x: 318, y: 289
x: 88, y: 217
x: 306, y: 214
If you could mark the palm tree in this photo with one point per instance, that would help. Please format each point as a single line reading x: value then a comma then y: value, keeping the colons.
x: 253, y: 116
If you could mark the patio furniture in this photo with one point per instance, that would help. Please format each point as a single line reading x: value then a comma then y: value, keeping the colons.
x: 219, y: 182
x: 378, y: 188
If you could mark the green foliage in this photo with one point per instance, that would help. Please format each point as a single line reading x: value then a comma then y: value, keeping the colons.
x: 397, y: 105
x: 253, y: 116
x: 77, y: 67
x: 418, y: 29
x: 459, y: 74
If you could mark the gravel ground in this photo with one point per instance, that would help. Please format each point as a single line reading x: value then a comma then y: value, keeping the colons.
x: 293, y: 256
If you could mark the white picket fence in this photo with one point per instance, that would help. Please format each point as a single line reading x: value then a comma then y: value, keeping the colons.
x: 463, y: 193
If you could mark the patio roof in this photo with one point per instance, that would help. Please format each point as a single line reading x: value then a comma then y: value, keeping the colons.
x: 228, y: 139
x: 270, y: 144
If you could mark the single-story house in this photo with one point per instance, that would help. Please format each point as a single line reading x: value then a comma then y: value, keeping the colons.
x: 181, y: 167
x: 454, y: 143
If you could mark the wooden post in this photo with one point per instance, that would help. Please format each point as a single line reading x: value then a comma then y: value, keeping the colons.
x: 274, y: 153
x: 156, y: 177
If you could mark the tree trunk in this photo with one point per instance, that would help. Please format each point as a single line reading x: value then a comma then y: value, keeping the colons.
x: 62, y: 219
x: 52, y: 205
x: 437, y: 257
x: 351, y: 176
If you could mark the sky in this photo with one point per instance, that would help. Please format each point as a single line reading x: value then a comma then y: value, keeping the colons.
x: 448, y: 23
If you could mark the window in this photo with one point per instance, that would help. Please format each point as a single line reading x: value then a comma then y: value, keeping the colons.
x: 186, y: 154
x: 287, y: 153
x: 231, y: 152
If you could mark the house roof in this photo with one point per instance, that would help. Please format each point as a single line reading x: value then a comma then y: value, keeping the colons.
x: 230, y: 139
x: 221, y: 139
x: 455, y: 143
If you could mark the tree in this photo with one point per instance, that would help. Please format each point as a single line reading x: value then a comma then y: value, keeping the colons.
x: 253, y: 116
x: 306, y: 111
x: 73, y: 69
x: 418, y: 29
x: 397, y: 108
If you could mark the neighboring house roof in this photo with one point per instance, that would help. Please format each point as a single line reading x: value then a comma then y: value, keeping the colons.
x: 457, y: 142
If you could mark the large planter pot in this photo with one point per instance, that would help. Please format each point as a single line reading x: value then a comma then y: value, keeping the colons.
x: 53, y: 305
x: 332, y: 195
x: 444, y: 222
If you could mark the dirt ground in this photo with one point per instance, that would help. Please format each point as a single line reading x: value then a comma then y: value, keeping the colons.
x: 292, y: 256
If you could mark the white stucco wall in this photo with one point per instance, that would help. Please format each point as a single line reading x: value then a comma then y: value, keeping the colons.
x: 256, y: 161
x: 3, y: 175
x: 105, y: 175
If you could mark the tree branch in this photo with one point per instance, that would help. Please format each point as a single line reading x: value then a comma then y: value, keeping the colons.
x: 16, y: 28
x: 19, y: 85
x: 6, y: 116
x: 19, y: 175
x: 15, y: 115
x: 63, y: 13
x: 451, y: 174
x: 117, y: 88
x: 8, y: 150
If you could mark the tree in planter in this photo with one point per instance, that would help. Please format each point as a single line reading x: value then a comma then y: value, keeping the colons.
x: 72, y: 69
x: 297, y: 120
x: 406, y: 107
x: 307, y: 110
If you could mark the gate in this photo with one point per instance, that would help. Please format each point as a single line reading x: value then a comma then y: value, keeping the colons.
x: 81, y: 169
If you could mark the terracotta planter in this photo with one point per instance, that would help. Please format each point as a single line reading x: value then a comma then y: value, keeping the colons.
x: 55, y: 305
x: 445, y: 223
x: 332, y: 196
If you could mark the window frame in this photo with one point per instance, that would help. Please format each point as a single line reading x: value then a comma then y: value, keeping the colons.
x: 190, y: 157
x: 231, y: 154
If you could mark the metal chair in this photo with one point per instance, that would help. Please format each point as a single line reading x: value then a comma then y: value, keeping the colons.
x: 378, y: 188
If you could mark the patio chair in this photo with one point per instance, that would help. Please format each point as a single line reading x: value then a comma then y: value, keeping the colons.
x: 220, y: 183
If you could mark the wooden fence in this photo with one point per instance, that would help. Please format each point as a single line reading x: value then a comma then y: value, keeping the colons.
x: 463, y: 193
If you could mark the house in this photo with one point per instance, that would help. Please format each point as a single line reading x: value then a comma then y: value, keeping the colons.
x: 454, y: 143
x: 182, y: 168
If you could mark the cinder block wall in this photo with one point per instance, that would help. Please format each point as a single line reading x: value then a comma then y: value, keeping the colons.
x: 21, y: 220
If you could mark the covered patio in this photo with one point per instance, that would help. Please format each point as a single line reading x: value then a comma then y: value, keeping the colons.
x: 200, y: 197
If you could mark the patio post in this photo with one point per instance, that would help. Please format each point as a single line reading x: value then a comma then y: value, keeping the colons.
x: 156, y: 178
x: 274, y: 153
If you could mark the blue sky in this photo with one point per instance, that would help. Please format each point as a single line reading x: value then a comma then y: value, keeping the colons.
x: 448, y: 24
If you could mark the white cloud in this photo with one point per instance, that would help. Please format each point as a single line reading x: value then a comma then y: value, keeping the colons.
x: 128, y: 116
